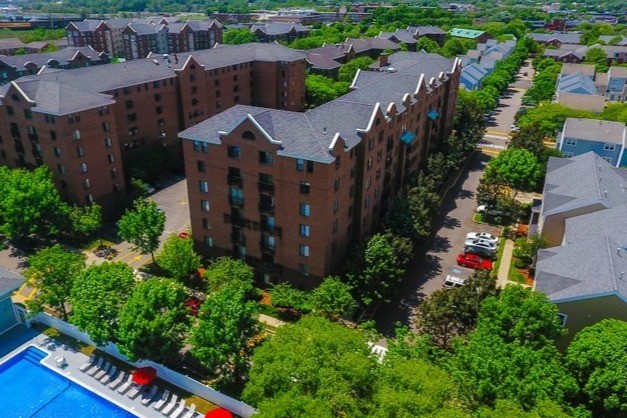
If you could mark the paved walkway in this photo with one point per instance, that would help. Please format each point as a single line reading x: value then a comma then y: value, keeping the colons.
x: 268, y: 320
x: 506, y: 261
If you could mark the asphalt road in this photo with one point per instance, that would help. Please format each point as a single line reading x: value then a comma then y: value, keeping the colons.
x: 427, y: 270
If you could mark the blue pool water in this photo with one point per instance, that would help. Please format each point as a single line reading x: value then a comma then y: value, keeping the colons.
x: 30, y: 390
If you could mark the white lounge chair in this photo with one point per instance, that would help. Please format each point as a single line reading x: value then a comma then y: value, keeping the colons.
x: 178, y: 410
x: 147, y: 397
x: 191, y: 411
x: 126, y: 386
x: 162, y: 400
x: 88, y: 363
x: 118, y: 381
x: 96, y: 367
x: 107, y: 377
x: 103, y: 371
x: 60, y: 360
x: 169, y: 407
x: 135, y: 391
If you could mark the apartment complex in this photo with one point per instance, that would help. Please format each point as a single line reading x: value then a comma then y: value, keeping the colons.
x: 90, y: 124
x: 291, y: 192
x: 136, y: 38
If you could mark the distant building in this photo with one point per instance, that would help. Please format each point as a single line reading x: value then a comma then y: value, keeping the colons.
x: 606, y: 139
x: 15, y: 66
x: 10, y: 45
x: 472, y: 75
x: 579, y: 86
x: 277, y: 31
x: 412, y: 34
x: 476, y: 35
x: 583, y: 216
x: 556, y: 39
x: 617, y: 84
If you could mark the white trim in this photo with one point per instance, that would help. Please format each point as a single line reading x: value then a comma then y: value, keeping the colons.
x: 372, y: 118
x: 591, y: 296
x: 263, y: 131
x: 19, y: 89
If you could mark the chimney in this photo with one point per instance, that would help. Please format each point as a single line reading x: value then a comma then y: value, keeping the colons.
x: 383, y: 60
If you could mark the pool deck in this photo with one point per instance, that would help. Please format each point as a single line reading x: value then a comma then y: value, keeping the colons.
x: 75, y: 360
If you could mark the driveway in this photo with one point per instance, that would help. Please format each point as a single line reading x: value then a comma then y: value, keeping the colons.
x: 427, y: 270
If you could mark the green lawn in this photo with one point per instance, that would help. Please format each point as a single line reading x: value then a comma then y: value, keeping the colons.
x: 514, y: 275
x: 482, y: 218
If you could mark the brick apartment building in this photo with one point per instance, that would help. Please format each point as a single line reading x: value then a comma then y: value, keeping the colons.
x: 90, y: 124
x: 136, y: 38
x: 291, y: 192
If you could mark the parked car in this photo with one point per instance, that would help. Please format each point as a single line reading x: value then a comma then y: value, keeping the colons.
x: 480, y: 251
x: 474, y: 261
x: 453, y: 281
x: 487, y: 210
x: 479, y: 242
x: 482, y: 235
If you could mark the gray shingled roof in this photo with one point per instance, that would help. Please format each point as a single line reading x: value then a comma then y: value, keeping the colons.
x: 595, y: 130
x: 278, y: 28
x: 592, y: 260
x: 581, y: 181
x: 565, y: 38
x: 587, y: 69
x: 41, y: 59
x: 366, y: 44
x: 87, y: 25
x: 325, y: 57
x: 9, y: 281
x: 426, y: 30
x: 143, y: 28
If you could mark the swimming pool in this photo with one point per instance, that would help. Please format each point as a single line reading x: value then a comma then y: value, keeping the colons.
x: 29, y: 389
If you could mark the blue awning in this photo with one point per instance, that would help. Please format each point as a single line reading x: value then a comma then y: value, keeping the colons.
x: 407, y: 137
x: 433, y: 115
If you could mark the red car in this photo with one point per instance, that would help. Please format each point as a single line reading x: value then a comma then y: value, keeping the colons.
x: 474, y: 262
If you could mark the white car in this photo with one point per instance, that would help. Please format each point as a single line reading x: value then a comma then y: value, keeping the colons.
x: 483, y: 243
x: 488, y: 210
x: 482, y: 235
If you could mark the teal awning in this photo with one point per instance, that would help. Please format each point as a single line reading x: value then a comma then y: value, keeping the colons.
x: 407, y: 137
x: 433, y: 115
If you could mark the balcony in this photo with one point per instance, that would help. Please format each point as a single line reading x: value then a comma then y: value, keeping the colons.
x: 266, y: 187
x: 234, y: 180
x: 274, y: 230
x: 267, y: 247
x: 265, y: 207
x: 238, y: 238
x: 236, y: 221
x: 236, y: 201
x: 388, y: 162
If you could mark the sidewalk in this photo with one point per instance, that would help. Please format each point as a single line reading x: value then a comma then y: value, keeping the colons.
x: 506, y: 260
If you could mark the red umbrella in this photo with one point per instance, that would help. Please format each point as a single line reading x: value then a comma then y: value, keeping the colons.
x: 144, y: 375
x: 219, y: 413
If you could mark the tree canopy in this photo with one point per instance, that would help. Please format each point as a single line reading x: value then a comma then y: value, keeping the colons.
x: 515, y: 168
x: 321, y: 89
x: 142, y: 226
x: 154, y: 321
x: 53, y: 271
x: 237, y: 36
x: 97, y: 297
x: 178, y: 257
x: 226, y: 271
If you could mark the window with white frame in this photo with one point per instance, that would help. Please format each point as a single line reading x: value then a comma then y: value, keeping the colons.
x: 204, y: 186
x: 563, y: 318
x: 305, y: 209
x: 76, y: 134
x: 303, y: 250
x: 609, y: 147
x: 204, y: 205
x: 304, y: 230
x: 571, y: 142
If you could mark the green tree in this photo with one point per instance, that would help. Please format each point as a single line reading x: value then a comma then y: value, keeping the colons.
x: 332, y: 298
x: 597, y: 57
x: 321, y: 89
x: 178, y: 257
x: 597, y: 358
x: 30, y: 204
x: 53, y: 271
x: 448, y: 314
x: 376, y: 272
x: 226, y: 322
x: 315, y: 359
x: 226, y: 271
x: 527, y: 251
x: 283, y: 295
x: 427, y: 45
x: 239, y: 36
x: 97, y: 297
x: 517, y: 169
x: 511, y: 409
x: 347, y: 71
x: 154, y: 321
x: 86, y: 220
x: 142, y: 226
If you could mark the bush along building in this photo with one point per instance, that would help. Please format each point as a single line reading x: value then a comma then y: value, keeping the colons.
x: 292, y: 192
x: 92, y: 125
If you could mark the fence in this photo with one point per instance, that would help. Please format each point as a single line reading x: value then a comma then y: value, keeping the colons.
x: 171, y: 376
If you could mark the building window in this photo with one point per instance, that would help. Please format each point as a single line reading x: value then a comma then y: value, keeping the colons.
x: 111, y: 158
x: 305, y: 187
x: 370, y: 144
x: 201, y: 165
x: 336, y: 184
x: 300, y: 164
x: 338, y: 161
x: 157, y: 97
x: 114, y: 173
x: 60, y: 168
x: 567, y: 154
x: 53, y: 135
x: 303, y: 269
x: 265, y: 158
x: 334, y: 225
x: 204, y: 205
x: 108, y: 142
x: 28, y: 114
x: 369, y: 166
x: 571, y: 141
x: 196, y: 145
x: 80, y: 152
x: 304, y: 230
x: 336, y: 205
x: 609, y: 147
x: 608, y: 159
x: 129, y: 104
x: 234, y: 151
x: 208, y: 241
x: 303, y: 250
x: 248, y: 135
x: 563, y: 319
x: 310, y: 166
x: 11, y: 111
x: 367, y: 202
x: 83, y: 167
x: 89, y: 199
x: 106, y: 127
x: 57, y: 151
x: 131, y: 117
x: 379, y: 155
x: 205, y: 223
x: 305, y: 209
x: 204, y: 186
x: 159, y: 110
x: 76, y: 135
x: 86, y: 184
